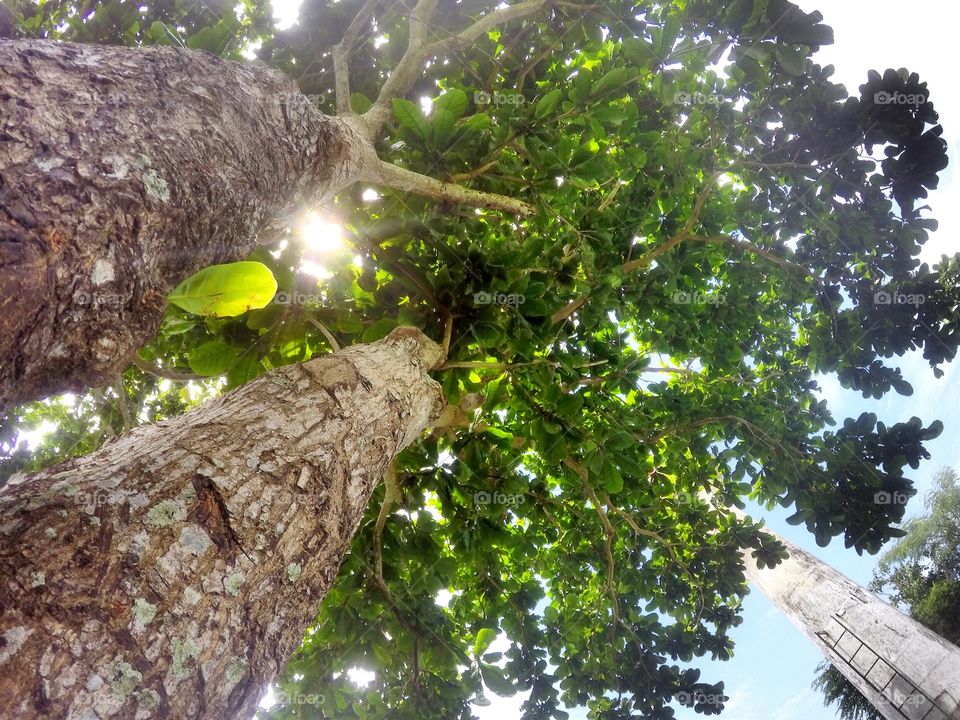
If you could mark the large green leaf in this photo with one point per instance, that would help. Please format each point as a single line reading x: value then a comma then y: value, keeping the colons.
x: 410, y: 117
x: 226, y: 290
x: 213, y: 358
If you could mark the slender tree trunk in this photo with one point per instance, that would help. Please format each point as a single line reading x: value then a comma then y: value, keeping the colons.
x: 171, y: 573
x: 123, y: 171
x: 906, y: 671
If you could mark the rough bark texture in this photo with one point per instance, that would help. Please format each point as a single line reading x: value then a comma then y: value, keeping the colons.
x: 171, y: 573
x: 904, y: 669
x: 123, y: 171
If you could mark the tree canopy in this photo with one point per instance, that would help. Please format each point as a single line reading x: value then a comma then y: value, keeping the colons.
x: 714, y: 224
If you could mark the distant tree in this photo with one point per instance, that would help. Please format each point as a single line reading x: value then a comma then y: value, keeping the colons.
x: 920, y: 574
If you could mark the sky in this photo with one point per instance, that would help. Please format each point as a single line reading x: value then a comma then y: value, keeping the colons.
x: 770, y: 676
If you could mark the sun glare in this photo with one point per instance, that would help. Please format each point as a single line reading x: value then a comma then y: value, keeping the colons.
x: 322, y: 236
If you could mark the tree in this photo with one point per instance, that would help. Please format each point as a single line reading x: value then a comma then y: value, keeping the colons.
x: 135, y: 573
x: 921, y: 574
x: 697, y: 248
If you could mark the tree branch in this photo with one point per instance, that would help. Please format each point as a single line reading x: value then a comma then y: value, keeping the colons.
x: 484, y: 25
x: 608, y: 531
x: 341, y: 54
x: 406, y: 72
x: 391, y: 497
x: 156, y: 371
x: 685, y: 232
x: 644, y: 260
x: 410, y: 67
x: 748, y: 246
x: 392, y: 176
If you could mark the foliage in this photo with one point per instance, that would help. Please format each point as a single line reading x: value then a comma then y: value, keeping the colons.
x: 921, y: 572
x: 705, y: 243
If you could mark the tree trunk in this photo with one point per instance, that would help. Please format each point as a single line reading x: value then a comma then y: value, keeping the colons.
x: 171, y: 573
x: 906, y: 671
x: 123, y: 171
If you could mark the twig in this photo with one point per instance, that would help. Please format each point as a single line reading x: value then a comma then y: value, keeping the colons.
x: 684, y: 233
x: 326, y: 333
x: 410, y: 67
x: 647, y: 258
x: 391, y: 496
x: 608, y: 532
x: 175, y: 375
x: 392, y: 176
x: 748, y: 246
x: 121, y: 392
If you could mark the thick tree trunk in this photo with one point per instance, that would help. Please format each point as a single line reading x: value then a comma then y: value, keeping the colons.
x: 123, y: 171
x: 171, y: 573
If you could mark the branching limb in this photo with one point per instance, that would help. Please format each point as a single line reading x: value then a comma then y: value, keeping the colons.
x: 644, y: 260
x: 121, y: 392
x: 405, y: 74
x: 341, y: 54
x: 636, y: 528
x: 608, y: 532
x: 418, y: 50
x: 326, y: 333
x: 685, y: 232
x: 481, y: 27
x: 391, y: 497
x: 747, y: 246
x: 392, y: 176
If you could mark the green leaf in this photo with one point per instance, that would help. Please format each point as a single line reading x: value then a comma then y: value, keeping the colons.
x: 453, y: 101
x: 613, y: 79
x: 360, y: 103
x: 546, y: 104
x: 791, y: 60
x: 226, y: 290
x: 484, y: 637
x: 494, y: 679
x: 410, y: 117
x: 475, y: 123
x: 246, y: 368
x: 443, y: 127
x: 213, y: 358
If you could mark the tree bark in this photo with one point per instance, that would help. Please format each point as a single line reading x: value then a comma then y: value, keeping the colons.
x: 171, y: 573
x: 905, y: 670
x: 123, y: 171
